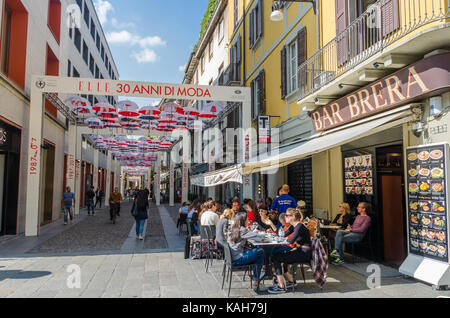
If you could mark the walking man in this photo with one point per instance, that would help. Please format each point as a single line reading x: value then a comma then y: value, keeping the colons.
x: 90, y: 201
x: 68, y: 198
x: 114, y: 202
x: 98, y: 197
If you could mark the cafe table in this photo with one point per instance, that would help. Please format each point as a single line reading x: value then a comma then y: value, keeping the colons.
x: 325, y: 230
x: 268, y: 243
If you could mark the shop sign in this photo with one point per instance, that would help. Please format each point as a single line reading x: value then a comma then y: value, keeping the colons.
x: 406, y: 85
x: 264, y: 129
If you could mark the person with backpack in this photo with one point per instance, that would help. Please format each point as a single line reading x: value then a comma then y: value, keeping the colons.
x: 139, y: 211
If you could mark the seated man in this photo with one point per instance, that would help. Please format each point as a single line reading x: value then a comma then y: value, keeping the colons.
x: 209, y: 217
x: 353, y: 234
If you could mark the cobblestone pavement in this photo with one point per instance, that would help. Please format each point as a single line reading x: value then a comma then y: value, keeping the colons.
x: 153, y: 270
x: 94, y: 233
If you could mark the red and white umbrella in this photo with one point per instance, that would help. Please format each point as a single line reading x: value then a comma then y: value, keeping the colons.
x: 104, y: 108
x: 94, y: 123
x: 172, y: 108
x: 211, y: 110
x: 191, y: 111
x: 79, y: 104
x: 128, y: 108
x: 107, y: 115
x: 168, y: 118
x: 149, y: 112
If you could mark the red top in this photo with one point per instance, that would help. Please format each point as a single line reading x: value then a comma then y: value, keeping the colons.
x: 251, y: 216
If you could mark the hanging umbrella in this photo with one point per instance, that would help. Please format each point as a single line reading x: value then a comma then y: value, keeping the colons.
x: 149, y: 112
x: 211, y: 110
x: 94, y: 122
x: 105, y: 115
x: 127, y: 105
x: 168, y: 118
x: 191, y: 111
x: 104, y: 108
x: 172, y: 108
x: 79, y: 104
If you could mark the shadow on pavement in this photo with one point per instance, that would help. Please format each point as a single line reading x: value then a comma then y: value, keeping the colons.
x: 18, y: 274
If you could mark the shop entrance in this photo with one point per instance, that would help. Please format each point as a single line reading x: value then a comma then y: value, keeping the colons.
x: 48, y: 178
x: 391, y: 203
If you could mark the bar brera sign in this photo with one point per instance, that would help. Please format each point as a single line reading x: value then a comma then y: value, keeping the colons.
x: 425, y: 78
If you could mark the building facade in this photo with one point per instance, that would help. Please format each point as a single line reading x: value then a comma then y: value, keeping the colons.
x: 37, y: 39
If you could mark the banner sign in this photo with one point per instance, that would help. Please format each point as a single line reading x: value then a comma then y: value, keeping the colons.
x: 264, y: 129
x: 407, y: 85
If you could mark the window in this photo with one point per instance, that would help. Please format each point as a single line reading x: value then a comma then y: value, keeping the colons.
x: 236, y: 11
x: 85, y: 53
x: 91, y: 64
x: 69, y: 68
x: 51, y: 69
x: 256, y: 100
x: 292, y: 70
x: 106, y: 61
x: 77, y: 39
x: 202, y: 64
x: 103, y: 52
x: 14, y: 41
x: 87, y: 15
x: 97, y: 72
x: 255, y: 24
x: 54, y: 18
x: 70, y: 33
x: 235, y: 60
x: 93, y: 29
x: 210, y: 49
x: 97, y: 42
x: 80, y: 4
x: 258, y: 96
x: 75, y: 72
x: 220, y: 31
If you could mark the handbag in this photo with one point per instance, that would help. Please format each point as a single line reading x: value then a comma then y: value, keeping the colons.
x: 134, y: 211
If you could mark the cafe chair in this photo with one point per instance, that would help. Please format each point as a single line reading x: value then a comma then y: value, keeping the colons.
x: 228, y: 264
x: 182, y: 221
x: 293, y: 271
x: 365, y: 242
x: 212, y: 251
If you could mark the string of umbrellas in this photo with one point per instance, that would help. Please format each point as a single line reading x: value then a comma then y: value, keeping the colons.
x: 138, y: 154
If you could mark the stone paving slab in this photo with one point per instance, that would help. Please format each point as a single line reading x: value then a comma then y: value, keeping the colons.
x: 93, y: 233
x: 155, y: 238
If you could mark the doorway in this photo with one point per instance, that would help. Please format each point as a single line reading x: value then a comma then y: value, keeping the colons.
x: 2, y: 189
x: 392, y: 203
x: 48, y: 174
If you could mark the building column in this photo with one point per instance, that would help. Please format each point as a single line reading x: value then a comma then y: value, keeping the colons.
x: 171, y: 181
x: 121, y: 188
x: 33, y: 174
x: 108, y: 178
x: 247, y: 186
x: 185, y: 181
x: 71, y: 155
x: 77, y: 190
x: 95, y: 181
x: 157, y: 185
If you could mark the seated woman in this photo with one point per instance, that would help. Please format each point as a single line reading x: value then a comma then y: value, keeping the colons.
x: 240, y: 254
x: 344, y: 218
x: 301, y: 253
x: 222, y: 228
x: 251, y: 209
x: 193, y: 215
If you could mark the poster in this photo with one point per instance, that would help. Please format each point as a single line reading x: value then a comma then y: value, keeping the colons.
x: 427, y: 201
x: 359, y: 175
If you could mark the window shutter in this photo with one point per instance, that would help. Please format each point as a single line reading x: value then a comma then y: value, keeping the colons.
x: 238, y: 57
x: 390, y: 17
x: 260, y: 15
x: 283, y: 73
x: 342, y: 49
x: 262, y: 93
x: 231, y: 75
x: 253, y: 98
x: 251, y: 29
x: 301, y: 56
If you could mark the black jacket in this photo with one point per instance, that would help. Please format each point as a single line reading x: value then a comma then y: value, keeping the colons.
x: 90, y: 195
x: 346, y: 220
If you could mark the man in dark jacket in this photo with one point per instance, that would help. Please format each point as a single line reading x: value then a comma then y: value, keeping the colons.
x: 90, y: 201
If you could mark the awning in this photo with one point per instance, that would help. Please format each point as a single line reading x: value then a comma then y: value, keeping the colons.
x: 315, y: 144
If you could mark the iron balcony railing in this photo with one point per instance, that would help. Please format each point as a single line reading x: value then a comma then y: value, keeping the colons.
x: 379, y: 26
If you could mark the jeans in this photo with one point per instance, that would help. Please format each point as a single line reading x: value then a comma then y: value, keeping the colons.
x: 114, y: 210
x: 140, y: 227
x: 255, y: 256
x: 68, y: 210
x: 90, y: 206
x: 98, y: 200
x: 345, y: 237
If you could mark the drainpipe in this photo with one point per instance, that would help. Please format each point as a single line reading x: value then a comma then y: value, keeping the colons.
x: 243, y: 43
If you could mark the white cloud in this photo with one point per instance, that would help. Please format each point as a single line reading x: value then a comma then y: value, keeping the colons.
x: 182, y: 68
x: 121, y: 25
x: 103, y: 7
x: 126, y: 37
x: 145, y: 56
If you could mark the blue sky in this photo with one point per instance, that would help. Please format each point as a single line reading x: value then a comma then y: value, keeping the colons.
x: 151, y: 40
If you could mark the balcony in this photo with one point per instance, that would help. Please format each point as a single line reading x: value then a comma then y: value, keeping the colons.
x: 378, y: 35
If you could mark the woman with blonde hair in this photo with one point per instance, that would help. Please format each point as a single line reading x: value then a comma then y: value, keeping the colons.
x: 344, y: 218
x: 222, y: 228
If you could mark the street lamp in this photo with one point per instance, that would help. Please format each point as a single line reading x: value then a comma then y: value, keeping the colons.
x: 277, y: 15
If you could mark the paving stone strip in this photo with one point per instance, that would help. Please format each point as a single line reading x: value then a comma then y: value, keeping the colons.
x: 155, y: 238
x: 94, y: 233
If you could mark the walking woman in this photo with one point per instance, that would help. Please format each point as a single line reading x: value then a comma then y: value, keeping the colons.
x: 141, y: 204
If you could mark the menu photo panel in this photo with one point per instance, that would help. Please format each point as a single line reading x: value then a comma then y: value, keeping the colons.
x: 427, y: 186
x: 359, y: 175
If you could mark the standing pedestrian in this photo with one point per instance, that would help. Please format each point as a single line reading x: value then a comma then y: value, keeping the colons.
x: 98, y: 198
x: 114, y: 202
x: 141, y: 205
x: 90, y: 201
x: 68, y: 198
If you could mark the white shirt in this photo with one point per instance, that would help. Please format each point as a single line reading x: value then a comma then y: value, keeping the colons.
x: 209, y: 218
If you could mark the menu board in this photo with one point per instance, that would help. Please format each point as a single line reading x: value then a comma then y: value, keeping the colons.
x: 359, y: 175
x: 427, y: 201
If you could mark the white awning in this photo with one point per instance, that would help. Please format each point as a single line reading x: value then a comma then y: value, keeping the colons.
x: 315, y: 144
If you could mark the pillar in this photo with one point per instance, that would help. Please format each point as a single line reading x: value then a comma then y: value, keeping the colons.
x: 108, y: 178
x: 157, y: 185
x: 247, y: 186
x: 34, y: 142
x: 77, y: 190
x: 95, y: 181
x: 171, y: 182
x: 71, y: 155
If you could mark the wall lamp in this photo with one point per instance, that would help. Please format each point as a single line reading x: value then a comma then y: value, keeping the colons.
x: 277, y: 15
x: 377, y: 64
x: 341, y: 86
